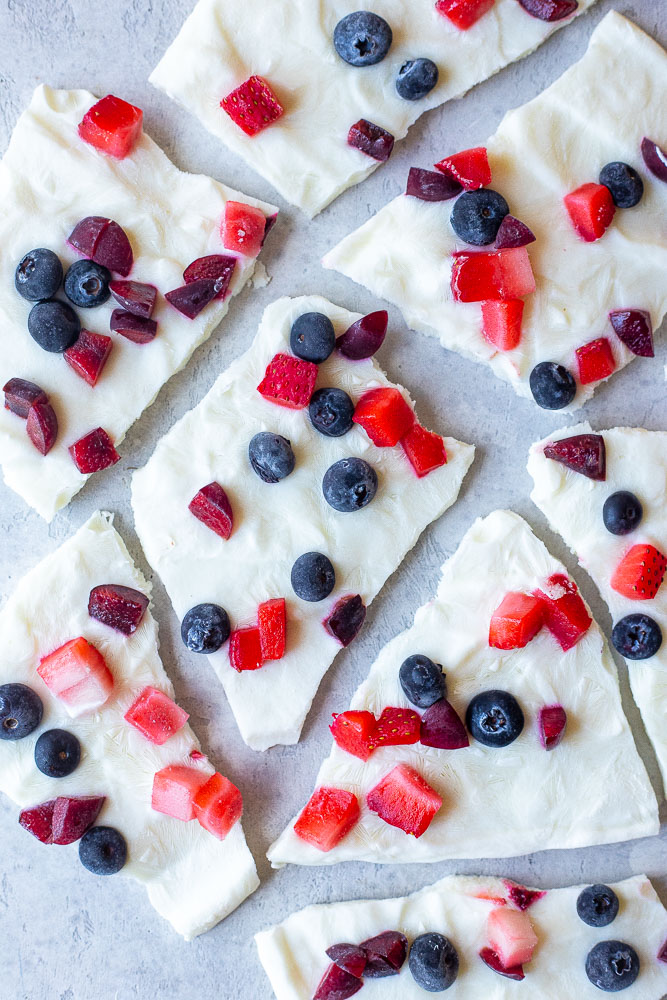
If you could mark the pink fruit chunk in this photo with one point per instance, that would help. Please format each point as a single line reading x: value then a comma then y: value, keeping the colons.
x: 243, y: 228
x: 337, y: 984
x: 662, y: 954
x: 245, y: 649
x: 272, y: 626
x: 77, y: 675
x: 385, y: 953
x: 405, y: 800
x: 112, y: 125
x: 174, y: 791
x: 464, y: 13
x: 385, y: 415
x: 493, y: 960
x: 134, y: 328
x: 211, y: 506
x: 73, y: 815
x: 517, y: 619
x: 20, y: 395
x: 156, y: 716
x: 192, y: 298
x: 353, y: 731
x: 513, y: 233
x: 94, y: 452
x: 42, y: 426
x: 103, y: 241
x: 86, y: 234
x: 348, y: 957
x: 655, y: 158
x: 442, y: 728
x: 327, y: 817
x: 551, y: 724
x: 38, y: 820
x: 215, y: 267
x: 591, y: 210
x: 371, y: 139
x: 365, y: 337
x: 218, y: 805
x: 583, y: 453
x: 501, y: 323
x: 565, y: 613
x: 425, y: 450
x: 633, y: 328
x: 549, y: 10
x: 135, y: 297
x: 469, y: 167
x: 345, y: 620
x: 429, y: 185
x: 511, y: 935
x: 288, y: 381
x: 252, y: 106
x: 595, y: 361
x: 521, y: 897
x: 396, y: 727
x: 119, y: 607
x: 88, y: 355
x: 503, y: 274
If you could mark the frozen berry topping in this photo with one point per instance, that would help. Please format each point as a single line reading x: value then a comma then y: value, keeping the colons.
x: 244, y: 228
x: 477, y: 215
x: 87, y: 284
x: 103, y: 850
x: 112, y: 126
x: 57, y: 753
x: 337, y: 984
x: 416, y: 78
x: 73, y: 816
x: 385, y: 415
x: 503, y: 274
x: 211, y: 506
x: 494, y: 718
x: 132, y: 327
x: 501, y: 323
x: 624, y: 183
x: 135, y: 297
x: 640, y: 573
x: 442, y: 728
x: 385, y: 954
x: 76, y: 673
x: 513, y: 233
x: 622, y: 512
x: 364, y: 337
x: 552, y: 385
x: 103, y: 241
x: 21, y: 711
x: 565, y: 614
x: 552, y: 721
x: 53, y: 325
x: 516, y: 621
x: 155, y: 715
x: 349, y: 957
x: 634, y: 328
x: 349, y: 484
x: 464, y: 13
x: 595, y: 361
x: 583, y: 453
x: 88, y: 355
x: 121, y: 608
x: 245, y: 649
x: 424, y: 449
x: 272, y: 627
x: 288, y: 381
x: 470, y: 168
x: 371, y: 139
x: 94, y: 452
x: 429, y: 185
x: 549, y: 10
x: 345, y: 621
x: 511, y: 936
x: 655, y: 158
x: 218, y: 805
x: 362, y: 38
x: 331, y: 411
x: 422, y: 680
x: 433, y: 962
x: 591, y: 210
x: 637, y: 637
x: 405, y: 800
x: 612, y: 966
x: 328, y: 816
x: 312, y: 337
x: 38, y: 820
x: 253, y: 106
x: 191, y: 298
x: 313, y: 577
x: 397, y: 727
x: 42, y: 426
x: 216, y: 267
x: 271, y: 457
x: 597, y: 905
x: 20, y: 395
x: 205, y: 628
x: 353, y: 731
x: 38, y: 275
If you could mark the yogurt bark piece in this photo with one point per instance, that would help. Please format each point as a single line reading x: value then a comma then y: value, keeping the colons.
x: 193, y: 879
x: 293, y: 953
x: 636, y: 461
x: 484, y: 799
x: 50, y: 180
x: 542, y: 152
x: 304, y: 152
x: 275, y: 523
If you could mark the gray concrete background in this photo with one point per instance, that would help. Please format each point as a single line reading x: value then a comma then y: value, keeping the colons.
x: 67, y: 936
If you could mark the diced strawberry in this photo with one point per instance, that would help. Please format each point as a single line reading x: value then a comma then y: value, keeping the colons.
x: 112, y: 126
x: 174, y: 790
x: 385, y: 416
x: 212, y: 507
x: 583, y: 453
x: 442, y: 728
x: 289, y: 381
x: 640, y: 573
x: 470, y: 168
x: 42, y: 426
x: 77, y: 674
x: 73, y: 815
x: 245, y: 649
x: 405, y: 800
x: 493, y: 960
x: 502, y: 274
x: 353, y: 731
x: 121, y: 608
x: 511, y: 935
x: 397, y: 727
x: 243, y: 228
x: 565, y: 613
x: 371, y: 139
x: 135, y: 297
x: 551, y: 724
x: 501, y: 322
x: 345, y: 620
x: 218, y: 805
x: 328, y: 816
x: 88, y: 355
x: 134, y: 328
x: 216, y: 267
x: 595, y: 360
x: 93, y: 452
x: 272, y: 625
x: 464, y: 13
x: 156, y: 716
x: 521, y: 897
x: 337, y: 984
x: 591, y: 209
x: 253, y: 106
x: 517, y: 619
x: 348, y: 957
x: 38, y: 820
x: 425, y: 450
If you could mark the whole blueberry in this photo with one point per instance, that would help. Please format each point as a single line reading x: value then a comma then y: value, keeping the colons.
x: 433, y: 962
x: 205, y: 628
x: 313, y: 577
x: 494, y: 718
x: 20, y: 711
x: 477, y: 215
x: 612, y: 966
x: 312, y: 337
x: 39, y: 275
x: 54, y: 325
x: 625, y: 184
x: 362, y: 38
x: 271, y: 456
x: 57, y: 753
x: 330, y: 412
x: 87, y: 284
x: 597, y: 905
x: 349, y: 484
x: 422, y: 680
x: 103, y: 850
x: 622, y: 512
x: 416, y: 78
x: 637, y: 637
x: 552, y: 385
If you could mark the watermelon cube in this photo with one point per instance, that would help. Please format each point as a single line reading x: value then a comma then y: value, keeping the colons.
x: 353, y: 731
x: 385, y: 416
x: 272, y: 625
x: 511, y: 936
x: 424, y: 449
x: 595, y: 360
x: 517, y: 619
x: 501, y: 323
x: 328, y: 816
x: 471, y: 166
x: 591, y: 209
x: 245, y: 649
x: 243, y: 228
x: 565, y: 613
x: 113, y: 126
x: 218, y: 805
x: 501, y: 274
x: 156, y: 716
x: 405, y: 800
x: 77, y: 674
x: 174, y: 790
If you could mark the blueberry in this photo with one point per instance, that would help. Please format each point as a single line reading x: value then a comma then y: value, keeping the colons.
x: 612, y: 966
x: 330, y: 412
x: 312, y: 337
x: 494, y: 718
x: 433, y: 962
x: 87, y: 284
x: 625, y: 184
x: 362, y: 38
x: 205, y: 628
x: 271, y: 456
x: 20, y: 711
x: 622, y: 513
x: 39, y: 275
x: 57, y: 753
x: 552, y: 385
x: 637, y: 637
x: 313, y: 577
x: 54, y: 325
x: 102, y: 850
x: 477, y: 215
x: 597, y: 905
x: 416, y: 78
x: 349, y: 484
x: 422, y: 680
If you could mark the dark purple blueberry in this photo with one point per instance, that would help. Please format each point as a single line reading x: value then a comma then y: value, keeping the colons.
x: 313, y: 577
x: 346, y: 619
x: 513, y: 233
x: 622, y: 512
x: 39, y: 275
x: 433, y: 962
x: 271, y: 456
x: 330, y: 411
x: 191, y: 298
x: 365, y: 336
x: 422, y: 680
x: 552, y: 385
x: 431, y: 185
x: 57, y: 753
x: 494, y: 718
x: 349, y: 484
x: 20, y: 711
x: 633, y: 328
x: 477, y: 215
x: 103, y: 850
x: 362, y: 38
x: 87, y: 284
x: 205, y: 628
x: 371, y: 139
x: 655, y: 158
x: 625, y: 184
x: 612, y: 966
x: 416, y: 78
x: 312, y: 337
x: 597, y: 905
x: 53, y: 325
x: 637, y: 637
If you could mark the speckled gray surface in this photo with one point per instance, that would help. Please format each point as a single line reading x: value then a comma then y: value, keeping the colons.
x: 67, y: 936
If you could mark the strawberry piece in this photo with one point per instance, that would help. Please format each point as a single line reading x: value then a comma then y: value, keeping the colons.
x: 385, y: 953
x: 243, y: 228
x: 134, y: 328
x: 77, y: 675
x: 633, y: 328
x: 384, y: 415
x: 155, y: 715
x: 135, y: 297
x: 88, y: 355
x: 365, y: 337
x: 655, y: 158
x: 328, y: 816
x: 502, y: 274
x: 521, y: 897
x: 493, y: 960
x: 72, y: 816
x: 191, y: 298
x: 218, y: 805
x: 216, y: 267
x: 442, y: 728
x: 245, y: 649
x: 253, y: 106
x: 42, y: 426
x: 121, y: 608
x: 405, y: 800
x: 549, y: 10
x: 353, y: 731
x: 20, y: 395
x: 337, y: 984
x: 38, y: 820
x: 93, y: 452
x: 511, y: 936
x: 174, y: 791
x: 348, y: 957
x: 640, y: 573
x: 211, y: 506
x: 517, y: 619
x: 565, y: 613
x: 470, y: 168
x: 272, y: 625
x: 397, y: 727
x: 513, y: 233
x: 103, y: 241
x: 551, y: 724
x: 425, y: 450
x: 112, y: 126
x: 583, y: 453
x: 464, y: 13
x: 371, y: 139
x: 288, y: 381
x: 501, y: 323
x: 591, y: 209
x: 595, y: 361
x: 345, y: 621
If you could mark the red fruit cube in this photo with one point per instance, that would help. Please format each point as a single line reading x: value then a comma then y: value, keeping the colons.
x: 549, y: 10
x: 121, y: 608
x: 253, y: 106
x: 216, y: 267
x: 397, y: 727
x: 77, y: 674
x: 385, y: 416
x: 634, y: 328
x: 134, y: 328
x: 135, y: 297
x: 511, y: 936
x: 591, y: 209
x: 156, y: 716
x: 245, y: 649
x: 565, y: 613
x: 595, y: 361
x: 405, y: 800
x: 88, y: 355
x: 502, y: 274
x: 583, y: 453
x: 425, y: 450
x: 470, y: 167
x: 174, y: 791
x: 348, y: 957
x: 20, y: 395
x: 243, y: 228
x: 493, y: 960
x: 345, y: 621
x: 94, y: 452
x: 353, y: 731
x: 103, y: 241
x: 640, y: 573
x: 464, y: 13
x: 551, y: 724
x: 517, y: 619
x: 385, y: 954
x: 521, y: 897
x: 42, y: 426
x: 112, y: 126
x: 272, y: 625
x: 501, y: 323
x: 337, y: 984
x: 442, y: 728
x: 289, y: 381
x: 328, y: 816
x: 212, y: 507
x: 218, y: 805
x: 371, y: 139
x: 72, y: 816
x: 38, y: 820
